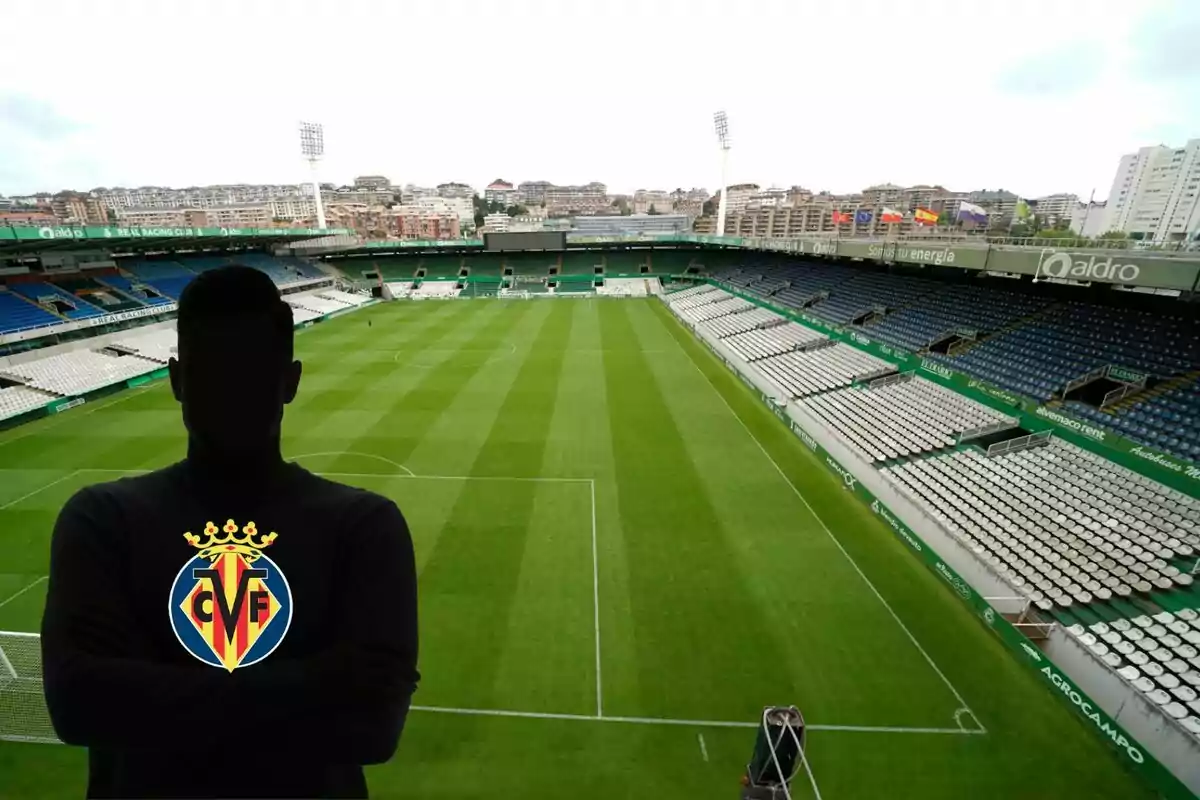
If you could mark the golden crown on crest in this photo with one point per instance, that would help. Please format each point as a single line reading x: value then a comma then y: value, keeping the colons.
x: 228, y: 540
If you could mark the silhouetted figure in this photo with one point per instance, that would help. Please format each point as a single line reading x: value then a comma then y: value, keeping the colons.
x: 231, y: 625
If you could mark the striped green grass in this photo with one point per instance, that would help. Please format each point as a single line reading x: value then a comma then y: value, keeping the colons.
x: 563, y: 452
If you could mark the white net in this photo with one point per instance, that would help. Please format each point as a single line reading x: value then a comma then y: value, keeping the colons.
x: 23, y: 715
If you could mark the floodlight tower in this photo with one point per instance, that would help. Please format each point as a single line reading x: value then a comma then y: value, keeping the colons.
x: 721, y: 123
x: 312, y: 147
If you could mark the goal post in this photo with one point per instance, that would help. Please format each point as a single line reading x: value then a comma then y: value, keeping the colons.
x: 23, y: 714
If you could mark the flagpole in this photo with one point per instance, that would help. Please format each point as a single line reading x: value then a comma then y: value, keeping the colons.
x: 1086, y: 212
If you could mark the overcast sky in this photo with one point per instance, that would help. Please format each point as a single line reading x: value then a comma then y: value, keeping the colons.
x: 1035, y: 97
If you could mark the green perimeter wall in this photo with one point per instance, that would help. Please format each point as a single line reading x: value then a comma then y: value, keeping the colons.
x: 1166, y: 469
x: 1132, y: 753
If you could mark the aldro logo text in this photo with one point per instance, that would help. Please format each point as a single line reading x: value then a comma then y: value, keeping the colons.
x: 230, y: 605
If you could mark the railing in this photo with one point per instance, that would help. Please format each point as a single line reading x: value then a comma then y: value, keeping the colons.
x: 888, y: 380
x: 1119, y: 394
x: 984, y: 430
x: 1020, y: 443
x: 1083, y: 380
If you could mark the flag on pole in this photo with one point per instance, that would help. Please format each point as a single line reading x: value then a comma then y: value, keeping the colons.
x: 890, y: 215
x: 926, y: 217
x: 969, y: 212
x: 862, y: 217
x: 840, y: 217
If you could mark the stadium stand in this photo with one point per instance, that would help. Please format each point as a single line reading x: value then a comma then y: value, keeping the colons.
x: 301, y: 314
x: 345, y: 298
x: 904, y: 417
x: 624, y: 261
x: 581, y: 262
x: 979, y: 309
x: 746, y: 321
x: 1168, y: 420
x: 760, y: 343
x: 78, y: 372
x: 135, y: 289
x: 400, y: 288
x: 801, y: 373
x: 151, y: 270
x: 18, y: 314
x: 723, y: 307
x: 1063, y: 525
x: 50, y: 297
x: 1156, y: 655
x: 630, y: 287
x: 98, y: 294
x: 156, y: 345
x: 315, y: 302
x: 700, y: 295
x: 435, y: 289
x: 1071, y: 339
x: 16, y: 400
x: 870, y: 291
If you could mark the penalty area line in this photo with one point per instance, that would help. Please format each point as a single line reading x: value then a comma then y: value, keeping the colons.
x: 962, y: 704
x: 22, y: 591
x: 695, y: 723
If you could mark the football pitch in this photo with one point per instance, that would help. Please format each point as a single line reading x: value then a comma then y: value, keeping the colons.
x: 623, y: 557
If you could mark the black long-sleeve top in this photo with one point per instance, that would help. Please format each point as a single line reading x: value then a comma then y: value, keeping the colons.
x: 138, y: 664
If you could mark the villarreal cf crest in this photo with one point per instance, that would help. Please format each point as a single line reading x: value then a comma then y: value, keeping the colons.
x: 230, y: 604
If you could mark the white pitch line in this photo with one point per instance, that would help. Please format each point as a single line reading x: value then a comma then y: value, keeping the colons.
x: 455, y: 477
x: 69, y: 417
x: 20, y: 592
x: 703, y: 748
x: 520, y: 478
x: 24, y: 497
x: 353, y: 453
x: 695, y: 723
x: 834, y: 539
x: 596, y: 602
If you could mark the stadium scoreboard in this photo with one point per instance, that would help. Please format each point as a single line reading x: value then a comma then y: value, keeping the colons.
x: 501, y: 242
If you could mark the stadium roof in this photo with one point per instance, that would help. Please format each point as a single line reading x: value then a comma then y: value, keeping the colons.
x: 22, y: 240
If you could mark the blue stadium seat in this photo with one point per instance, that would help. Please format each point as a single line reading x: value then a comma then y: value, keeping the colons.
x: 71, y: 306
x: 18, y: 315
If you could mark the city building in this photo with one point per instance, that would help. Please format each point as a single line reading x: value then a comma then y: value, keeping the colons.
x: 29, y: 215
x: 195, y: 196
x: 411, y: 192
x: 349, y: 194
x: 455, y: 190
x: 500, y: 191
x: 240, y: 216
x: 533, y: 193
x: 496, y: 223
x: 767, y: 198
x: 884, y: 194
x: 810, y: 218
x: 1001, y: 205
x: 415, y: 222
x: 631, y: 224
x: 76, y: 208
x: 1055, y: 207
x: 462, y: 207
x: 590, y: 198
x: 1089, y: 219
x: 739, y: 196
x: 1154, y: 194
x: 295, y: 208
x: 372, y: 182
x: 646, y: 199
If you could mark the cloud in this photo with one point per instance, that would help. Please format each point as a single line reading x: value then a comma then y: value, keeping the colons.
x: 1067, y: 69
x: 26, y: 116
x: 1169, y: 52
